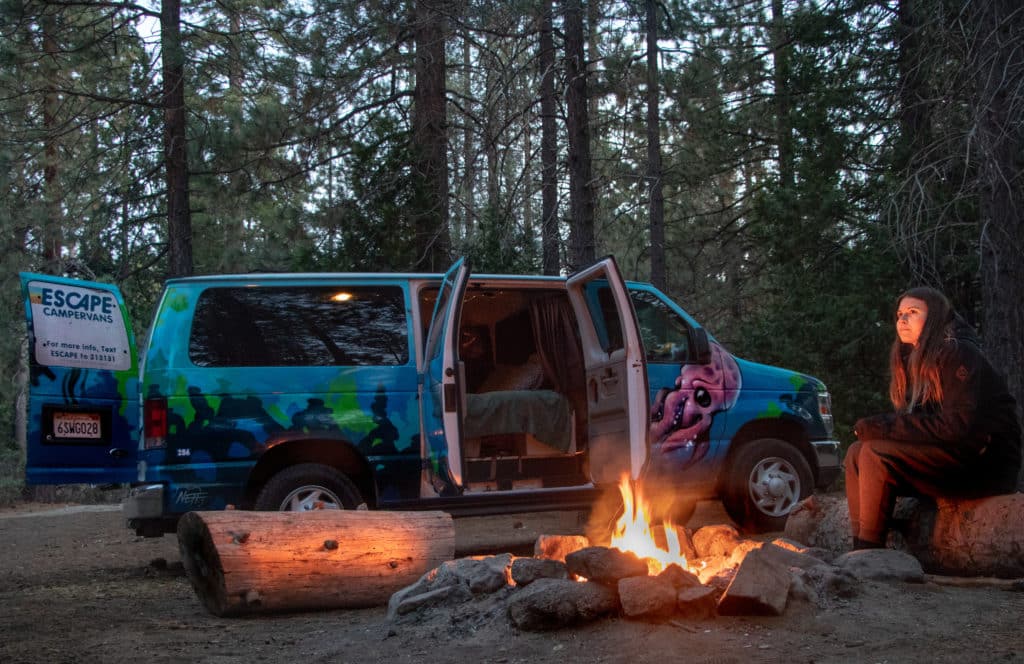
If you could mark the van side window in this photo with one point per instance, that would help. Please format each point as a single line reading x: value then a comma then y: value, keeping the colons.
x: 607, y: 319
x: 664, y: 332
x: 300, y: 326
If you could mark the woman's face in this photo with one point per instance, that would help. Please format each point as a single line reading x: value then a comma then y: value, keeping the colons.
x: 910, y: 318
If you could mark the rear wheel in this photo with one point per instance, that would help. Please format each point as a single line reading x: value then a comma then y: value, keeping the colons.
x: 308, y: 486
x: 765, y: 481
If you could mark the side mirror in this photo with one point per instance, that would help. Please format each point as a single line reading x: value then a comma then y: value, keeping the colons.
x: 700, y: 348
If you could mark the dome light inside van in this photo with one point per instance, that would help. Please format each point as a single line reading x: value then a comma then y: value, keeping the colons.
x: 341, y: 297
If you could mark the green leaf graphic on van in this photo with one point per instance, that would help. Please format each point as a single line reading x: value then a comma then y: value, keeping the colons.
x: 177, y: 301
x: 772, y: 409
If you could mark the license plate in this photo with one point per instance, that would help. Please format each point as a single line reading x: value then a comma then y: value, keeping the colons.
x: 77, y: 425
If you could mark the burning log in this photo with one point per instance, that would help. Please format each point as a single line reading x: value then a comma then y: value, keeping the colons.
x: 250, y: 562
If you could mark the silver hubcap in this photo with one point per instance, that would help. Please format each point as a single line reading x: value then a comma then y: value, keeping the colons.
x: 309, y: 498
x: 774, y: 486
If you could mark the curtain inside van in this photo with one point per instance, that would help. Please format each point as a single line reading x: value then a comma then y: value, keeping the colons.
x: 558, y: 344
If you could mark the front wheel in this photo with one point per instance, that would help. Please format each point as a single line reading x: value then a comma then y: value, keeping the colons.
x: 764, y: 482
x: 308, y: 486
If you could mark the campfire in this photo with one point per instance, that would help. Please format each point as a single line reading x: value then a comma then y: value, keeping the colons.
x: 254, y: 562
x: 634, y: 533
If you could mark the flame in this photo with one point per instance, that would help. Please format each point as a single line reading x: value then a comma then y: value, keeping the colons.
x: 633, y: 532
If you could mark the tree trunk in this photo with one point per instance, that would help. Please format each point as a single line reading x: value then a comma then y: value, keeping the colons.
x: 430, y: 137
x: 656, y: 196
x: 914, y: 112
x: 783, y: 126
x: 548, y: 145
x: 491, y: 124
x: 179, y: 219
x: 243, y: 562
x: 469, y: 149
x: 582, y: 250
x: 21, y: 400
x: 998, y: 64
x: 52, y: 236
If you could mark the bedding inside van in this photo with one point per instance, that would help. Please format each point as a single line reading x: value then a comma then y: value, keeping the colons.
x: 543, y: 413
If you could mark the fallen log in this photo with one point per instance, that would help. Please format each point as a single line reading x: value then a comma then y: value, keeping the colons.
x: 953, y: 537
x: 974, y: 537
x: 974, y: 582
x: 241, y: 562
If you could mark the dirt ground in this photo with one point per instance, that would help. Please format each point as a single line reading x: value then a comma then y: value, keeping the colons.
x: 75, y: 585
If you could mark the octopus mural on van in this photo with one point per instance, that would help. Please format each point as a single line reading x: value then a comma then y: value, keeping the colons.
x: 681, y: 416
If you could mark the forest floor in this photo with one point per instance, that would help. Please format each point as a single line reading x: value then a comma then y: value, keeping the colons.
x: 76, y: 585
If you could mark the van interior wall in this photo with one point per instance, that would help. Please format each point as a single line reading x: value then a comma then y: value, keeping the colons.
x: 501, y: 355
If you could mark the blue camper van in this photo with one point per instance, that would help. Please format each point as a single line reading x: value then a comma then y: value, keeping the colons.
x: 473, y: 394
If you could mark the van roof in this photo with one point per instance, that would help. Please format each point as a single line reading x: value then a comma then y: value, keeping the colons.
x: 367, y: 276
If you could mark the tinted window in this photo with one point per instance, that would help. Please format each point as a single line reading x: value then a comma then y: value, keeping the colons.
x: 607, y: 319
x: 299, y: 326
x: 664, y: 332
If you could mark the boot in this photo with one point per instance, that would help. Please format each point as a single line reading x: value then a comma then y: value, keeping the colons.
x: 859, y: 544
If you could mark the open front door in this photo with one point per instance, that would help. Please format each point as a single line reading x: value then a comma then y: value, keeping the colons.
x: 441, y: 385
x: 83, y: 410
x: 616, y: 382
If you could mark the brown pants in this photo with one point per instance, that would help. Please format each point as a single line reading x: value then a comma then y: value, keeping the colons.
x: 877, y: 471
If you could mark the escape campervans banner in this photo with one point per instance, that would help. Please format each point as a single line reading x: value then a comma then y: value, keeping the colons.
x: 83, y: 400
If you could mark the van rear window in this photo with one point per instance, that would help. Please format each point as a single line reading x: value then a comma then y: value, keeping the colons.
x: 300, y: 326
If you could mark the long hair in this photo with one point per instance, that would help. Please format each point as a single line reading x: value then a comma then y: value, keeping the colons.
x: 915, y: 378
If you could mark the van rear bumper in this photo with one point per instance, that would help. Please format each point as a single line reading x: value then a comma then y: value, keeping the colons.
x: 143, y: 510
x: 144, y: 502
x: 829, y: 461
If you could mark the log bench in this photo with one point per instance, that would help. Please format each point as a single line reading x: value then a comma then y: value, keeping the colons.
x: 959, y: 537
x: 241, y: 562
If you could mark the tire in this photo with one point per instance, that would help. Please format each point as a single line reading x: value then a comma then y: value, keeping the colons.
x: 764, y: 482
x: 308, y: 486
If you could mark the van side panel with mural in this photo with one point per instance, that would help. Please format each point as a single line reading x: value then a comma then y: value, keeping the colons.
x: 474, y: 394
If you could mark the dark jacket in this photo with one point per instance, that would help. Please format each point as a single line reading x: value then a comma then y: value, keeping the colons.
x: 976, y: 418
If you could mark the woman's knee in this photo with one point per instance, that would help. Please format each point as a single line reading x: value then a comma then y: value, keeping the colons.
x: 850, y: 459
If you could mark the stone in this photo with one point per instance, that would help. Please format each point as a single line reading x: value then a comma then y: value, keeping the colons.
x: 527, y: 570
x: 821, y: 521
x: 479, y: 574
x: 605, y: 565
x: 679, y: 577
x: 881, y: 565
x: 651, y: 597
x: 453, y: 581
x: 401, y: 603
x: 815, y: 551
x: 717, y: 540
x: 801, y: 589
x: 740, y: 551
x: 791, y: 558
x: 697, y: 602
x: 760, y: 587
x: 557, y: 547
x: 548, y: 604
